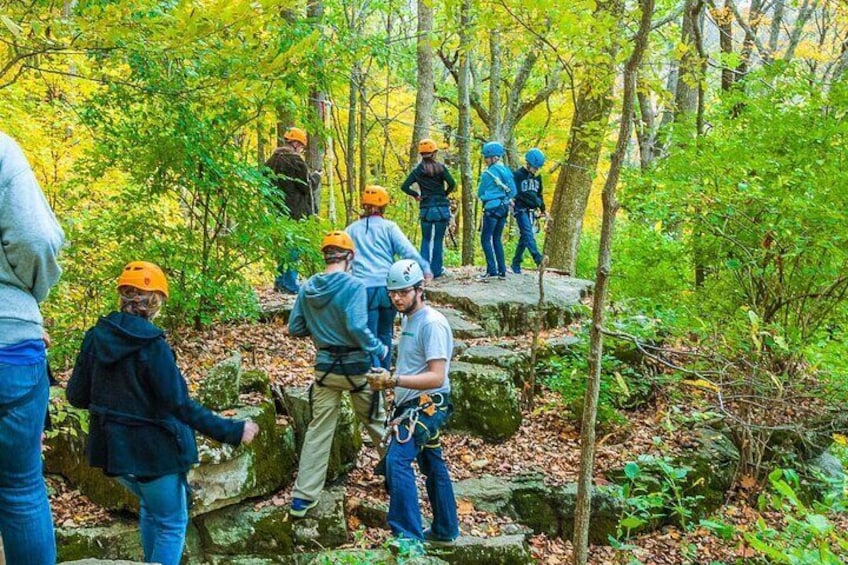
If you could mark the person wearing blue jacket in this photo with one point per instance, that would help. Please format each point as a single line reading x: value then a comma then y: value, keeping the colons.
x: 529, y: 199
x: 142, y: 420
x: 434, y: 182
x: 496, y: 190
x: 331, y: 308
x: 30, y: 240
x: 378, y: 242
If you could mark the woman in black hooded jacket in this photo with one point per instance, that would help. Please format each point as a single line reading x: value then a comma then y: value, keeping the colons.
x: 434, y: 184
x: 142, y: 420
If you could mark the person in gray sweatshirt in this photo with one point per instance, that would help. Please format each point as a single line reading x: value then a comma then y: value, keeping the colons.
x: 378, y: 241
x: 331, y: 308
x: 30, y: 238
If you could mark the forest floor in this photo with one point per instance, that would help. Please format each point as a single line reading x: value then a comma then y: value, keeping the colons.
x: 547, y: 442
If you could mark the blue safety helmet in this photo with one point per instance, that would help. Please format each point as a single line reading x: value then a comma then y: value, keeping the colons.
x: 493, y: 149
x: 535, y: 158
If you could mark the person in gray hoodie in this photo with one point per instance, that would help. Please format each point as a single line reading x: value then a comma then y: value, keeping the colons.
x: 331, y: 307
x: 30, y: 239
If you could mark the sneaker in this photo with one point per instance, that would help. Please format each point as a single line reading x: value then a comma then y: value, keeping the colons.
x: 516, y: 269
x: 300, y: 506
x: 502, y: 277
x: 434, y: 540
x: 406, y: 547
x: 485, y: 277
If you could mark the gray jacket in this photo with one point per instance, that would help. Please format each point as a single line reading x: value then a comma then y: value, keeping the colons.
x: 30, y: 239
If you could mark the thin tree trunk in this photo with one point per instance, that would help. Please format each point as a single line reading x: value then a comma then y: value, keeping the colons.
x: 776, y: 22
x: 495, y: 110
x: 689, y: 73
x: 260, y: 142
x: 583, y: 506
x: 318, y: 102
x: 646, y: 129
x: 725, y: 30
x: 464, y: 136
x: 363, y: 134
x: 350, y: 154
x: 425, y: 95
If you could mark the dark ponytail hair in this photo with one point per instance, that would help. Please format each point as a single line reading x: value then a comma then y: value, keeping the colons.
x: 430, y: 166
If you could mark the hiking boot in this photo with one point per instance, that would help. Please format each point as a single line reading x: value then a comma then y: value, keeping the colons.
x: 300, y: 506
x: 435, y: 540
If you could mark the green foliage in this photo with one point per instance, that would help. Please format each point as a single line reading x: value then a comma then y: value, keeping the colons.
x: 808, y: 535
x: 757, y: 206
x: 624, y: 382
x: 654, y: 494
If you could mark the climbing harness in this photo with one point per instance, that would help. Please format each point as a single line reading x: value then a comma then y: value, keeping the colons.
x: 339, y: 352
x: 408, y: 416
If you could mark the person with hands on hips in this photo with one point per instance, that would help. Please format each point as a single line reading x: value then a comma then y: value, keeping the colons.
x: 142, y: 420
x: 421, y: 408
x: 331, y: 308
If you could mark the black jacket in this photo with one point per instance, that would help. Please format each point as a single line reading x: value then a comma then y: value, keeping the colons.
x: 434, y: 190
x: 529, y: 187
x: 142, y: 419
x: 291, y: 177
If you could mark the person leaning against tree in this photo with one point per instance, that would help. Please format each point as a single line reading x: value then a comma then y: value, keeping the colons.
x: 422, y: 407
x: 30, y: 239
x: 295, y: 197
x: 434, y: 184
x: 331, y: 308
x: 141, y: 417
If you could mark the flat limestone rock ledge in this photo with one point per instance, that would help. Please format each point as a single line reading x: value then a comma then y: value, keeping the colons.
x: 485, y: 401
x: 508, y: 307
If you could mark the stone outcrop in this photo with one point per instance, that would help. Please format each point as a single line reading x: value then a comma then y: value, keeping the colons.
x: 220, y: 389
x: 509, y: 307
x: 485, y: 401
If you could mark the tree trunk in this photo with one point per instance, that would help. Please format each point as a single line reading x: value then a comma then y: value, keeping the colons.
x: 689, y: 73
x: 318, y: 102
x: 495, y: 110
x: 645, y: 129
x: 363, y: 134
x: 350, y: 150
x: 725, y: 29
x: 574, y: 183
x: 425, y: 94
x: 464, y: 136
x: 583, y: 506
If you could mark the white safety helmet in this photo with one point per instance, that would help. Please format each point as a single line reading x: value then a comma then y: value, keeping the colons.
x: 404, y: 274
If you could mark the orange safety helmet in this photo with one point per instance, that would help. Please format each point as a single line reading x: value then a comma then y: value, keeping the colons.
x: 295, y: 134
x: 427, y: 146
x: 144, y: 276
x: 375, y: 196
x: 338, y: 239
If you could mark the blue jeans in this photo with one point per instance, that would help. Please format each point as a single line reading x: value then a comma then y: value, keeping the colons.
x: 490, y: 239
x: 432, y: 245
x: 404, y: 514
x: 526, y: 238
x: 164, y: 516
x: 25, y: 520
x: 286, y: 280
x: 381, y: 321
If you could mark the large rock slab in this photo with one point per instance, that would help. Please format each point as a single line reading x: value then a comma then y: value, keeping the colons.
x: 347, y: 440
x: 468, y: 550
x: 270, y: 531
x: 226, y: 474
x: 543, y: 508
x: 485, y: 401
x: 119, y: 540
x: 509, y: 307
x: 517, y: 363
x: 219, y: 390
x: 462, y: 327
